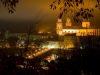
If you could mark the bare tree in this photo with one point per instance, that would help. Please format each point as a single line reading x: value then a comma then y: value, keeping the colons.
x: 31, y: 29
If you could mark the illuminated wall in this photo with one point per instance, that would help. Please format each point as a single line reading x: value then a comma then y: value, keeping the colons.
x: 84, y: 31
x: 70, y: 31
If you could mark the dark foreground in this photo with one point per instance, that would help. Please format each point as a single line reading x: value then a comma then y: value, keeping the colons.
x: 82, y: 62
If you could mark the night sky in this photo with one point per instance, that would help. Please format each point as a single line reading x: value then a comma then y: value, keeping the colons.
x: 36, y: 13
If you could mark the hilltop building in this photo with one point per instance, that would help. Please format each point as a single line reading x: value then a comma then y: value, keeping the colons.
x: 83, y: 30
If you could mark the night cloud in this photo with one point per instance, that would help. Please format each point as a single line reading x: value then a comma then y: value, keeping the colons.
x: 34, y: 10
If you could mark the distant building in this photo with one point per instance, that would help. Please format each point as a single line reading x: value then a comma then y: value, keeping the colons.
x: 83, y: 30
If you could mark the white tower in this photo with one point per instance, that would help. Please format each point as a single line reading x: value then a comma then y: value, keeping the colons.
x: 59, y: 27
x: 68, y: 22
x: 85, y: 23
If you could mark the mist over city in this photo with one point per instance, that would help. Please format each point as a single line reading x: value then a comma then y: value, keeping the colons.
x: 49, y: 37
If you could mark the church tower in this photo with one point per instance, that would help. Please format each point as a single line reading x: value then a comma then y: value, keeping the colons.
x: 68, y: 22
x: 85, y: 24
x: 59, y: 27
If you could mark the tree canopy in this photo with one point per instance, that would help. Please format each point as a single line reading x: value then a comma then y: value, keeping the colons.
x: 10, y: 5
x: 75, y: 8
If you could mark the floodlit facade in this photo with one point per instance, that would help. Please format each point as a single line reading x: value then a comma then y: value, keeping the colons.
x: 83, y: 30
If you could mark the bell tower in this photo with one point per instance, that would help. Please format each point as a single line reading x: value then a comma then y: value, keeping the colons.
x: 59, y: 27
x: 85, y: 23
x: 68, y: 22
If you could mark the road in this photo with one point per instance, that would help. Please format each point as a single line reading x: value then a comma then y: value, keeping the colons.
x: 44, y: 53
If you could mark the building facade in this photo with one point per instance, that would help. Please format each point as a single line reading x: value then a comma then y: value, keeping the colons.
x: 83, y: 30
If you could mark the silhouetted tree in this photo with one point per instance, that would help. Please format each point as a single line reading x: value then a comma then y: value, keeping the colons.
x: 76, y: 8
x: 64, y: 5
x: 10, y: 5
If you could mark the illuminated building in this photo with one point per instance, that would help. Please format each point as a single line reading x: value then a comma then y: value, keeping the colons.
x: 83, y: 30
x: 68, y: 22
x: 77, y: 36
x: 59, y: 27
